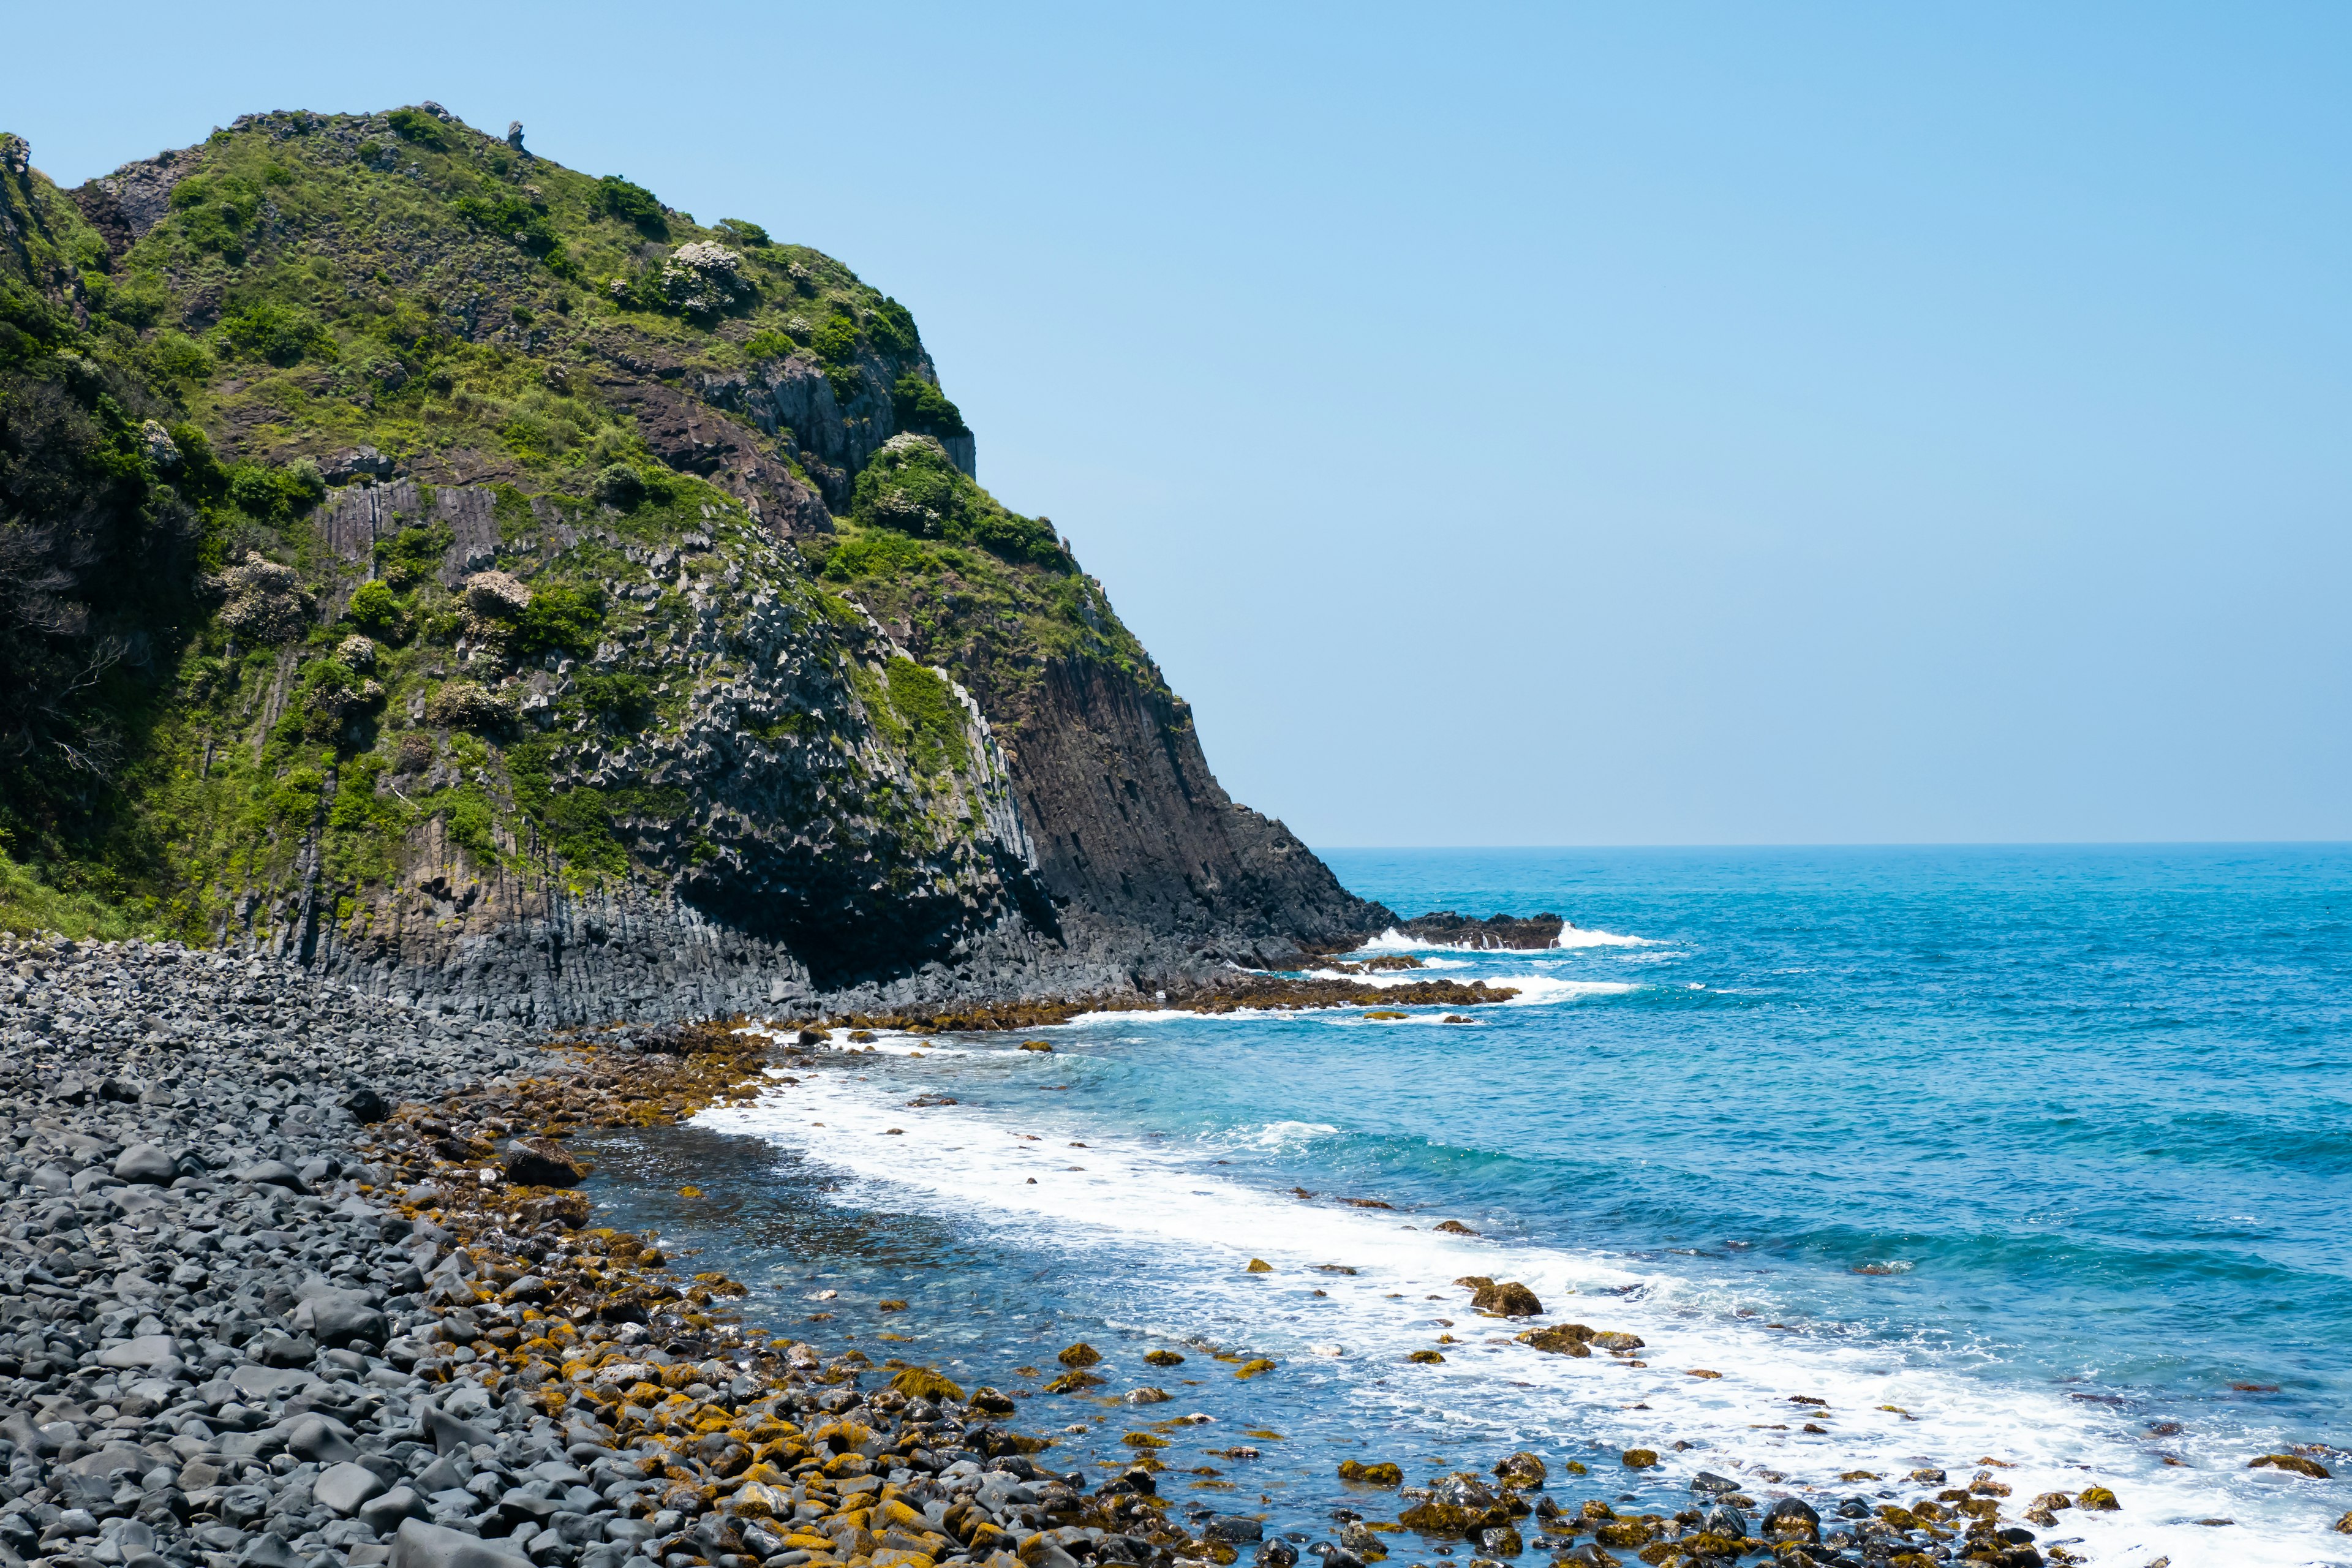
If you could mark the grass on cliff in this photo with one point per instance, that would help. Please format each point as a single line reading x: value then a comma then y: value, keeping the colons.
x: 28, y: 905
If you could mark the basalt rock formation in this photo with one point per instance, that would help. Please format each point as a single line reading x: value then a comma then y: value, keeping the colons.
x: 479, y: 581
x: 1446, y: 928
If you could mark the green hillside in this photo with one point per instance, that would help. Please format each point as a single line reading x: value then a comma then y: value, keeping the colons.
x: 376, y: 496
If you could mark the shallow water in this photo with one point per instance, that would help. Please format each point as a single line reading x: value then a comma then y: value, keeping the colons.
x: 2044, y: 1149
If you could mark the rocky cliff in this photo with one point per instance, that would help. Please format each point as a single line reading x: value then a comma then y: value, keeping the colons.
x: 482, y: 581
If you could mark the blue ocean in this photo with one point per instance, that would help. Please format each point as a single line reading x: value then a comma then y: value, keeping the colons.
x: 2029, y: 1161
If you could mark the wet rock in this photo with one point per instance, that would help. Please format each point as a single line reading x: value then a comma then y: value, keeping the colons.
x: 1522, y: 1470
x: 1639, y: 1459
x: 1079, y: 1354
x: 2295, y: 1463
x: 1508, y: 1297
x: 1380, y: 1474
x: 1559, y: 1338
x: 2096, y: 1499
x: 539, y: 1164
x: 1791, y: 1518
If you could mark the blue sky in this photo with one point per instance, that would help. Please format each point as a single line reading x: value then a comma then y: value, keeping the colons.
x: 1571, y: 425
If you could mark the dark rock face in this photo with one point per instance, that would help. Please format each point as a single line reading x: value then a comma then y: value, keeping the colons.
x: 1447, y: 928
x: 1131, y: 828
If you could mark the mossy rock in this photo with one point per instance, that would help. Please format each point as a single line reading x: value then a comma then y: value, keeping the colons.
x: 1639, y: 1459
x: 1502, y: 1540
x: 1455, y: 1227
x: 1386, y: 1016
x: 990, y: 1401
x: 2096, y: 1499
x: 1072, y: 1382
x: 1626, y: 1534
x: 922, y: 1383
x: 1257, y: 1366
x: 1506, y: 1298
x: 1036, y: 1045
x: 2294, y: 1462
x: 1258, y: 1266
x: 1434, y: 1516
x: 1424, y: 1358
x: 1523, y: 1469
x: 1382, y: 1474
x: 1561, y: 1338
x: 1079, y: 1354
x: 1162, y: 1358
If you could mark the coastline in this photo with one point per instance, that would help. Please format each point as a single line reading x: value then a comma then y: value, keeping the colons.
x: 329, y: 1216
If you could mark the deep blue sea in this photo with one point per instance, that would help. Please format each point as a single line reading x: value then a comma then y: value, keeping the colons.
x: 2036, y: 1161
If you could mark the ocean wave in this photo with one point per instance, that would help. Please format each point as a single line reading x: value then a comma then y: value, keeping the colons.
x: 1394, y: 940
x: 1172, y: 1236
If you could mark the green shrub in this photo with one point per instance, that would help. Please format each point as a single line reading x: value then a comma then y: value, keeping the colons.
x: 561, y: 619
x: 178, y: 357
x: 837, y: 341
x: 275, y: 495
x: 770, y: 344
x: 374, y: 609
x: 414, y: 125
x: 914, y: 488
x: 624, y: 701
x: 503, y: 212
x: 743, y: 232
x: 413, y: 553
x: 890, y: 326
x: 281, y: 334
x: 214, y: 210
x: 616, y: 197
x: 920, y: 407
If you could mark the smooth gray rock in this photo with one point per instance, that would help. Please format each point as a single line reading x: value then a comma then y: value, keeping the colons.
x: 270, y: 1381
x: 422, y: 1545
x: 144, y: 1162
x: 146, y: 1350
x: 384, y: 1514
x: 344, y: 1486
x: 272, y: 1174
x: 315, y: 1440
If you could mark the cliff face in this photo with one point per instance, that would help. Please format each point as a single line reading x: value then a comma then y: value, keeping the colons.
x: 488, y: 584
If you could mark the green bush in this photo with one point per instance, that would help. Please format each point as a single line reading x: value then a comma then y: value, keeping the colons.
x: 616, y: 197
x: 837, y: 341
x: 743, y: 232
x: 413, y: 553
x: 770, y: 344
x: 892, y: 328
x: 374, y: 609
x: 561, y: 619
x: 920, y: 407
x: 275, y: 495
x: 915, y: 490
x: 414, y: 125
x: 281, y: 334
x: 214, y: 210
x: 178, y: 357
x: 623, y: 702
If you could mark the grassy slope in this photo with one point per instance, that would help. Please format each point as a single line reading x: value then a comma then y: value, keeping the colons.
x: 405, y: 282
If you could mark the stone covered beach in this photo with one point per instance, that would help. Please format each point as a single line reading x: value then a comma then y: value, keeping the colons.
x: 298, y: 1278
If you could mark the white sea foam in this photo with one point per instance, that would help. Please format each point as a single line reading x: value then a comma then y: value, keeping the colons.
x: 1183, y: 1233
x: 1395, y: 940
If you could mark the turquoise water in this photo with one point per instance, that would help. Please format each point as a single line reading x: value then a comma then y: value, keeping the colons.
x: 2046, y: 1149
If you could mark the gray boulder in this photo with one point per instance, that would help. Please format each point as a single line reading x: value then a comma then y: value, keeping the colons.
x: 344, y: 1486
x: 422, y: 1545
x: 146, y: 1350
x: 315, y: 1439
x: 272, y: 1174
x: 144, y: 1162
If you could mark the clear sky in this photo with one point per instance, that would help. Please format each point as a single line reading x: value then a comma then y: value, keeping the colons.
x: 1557, y: 425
